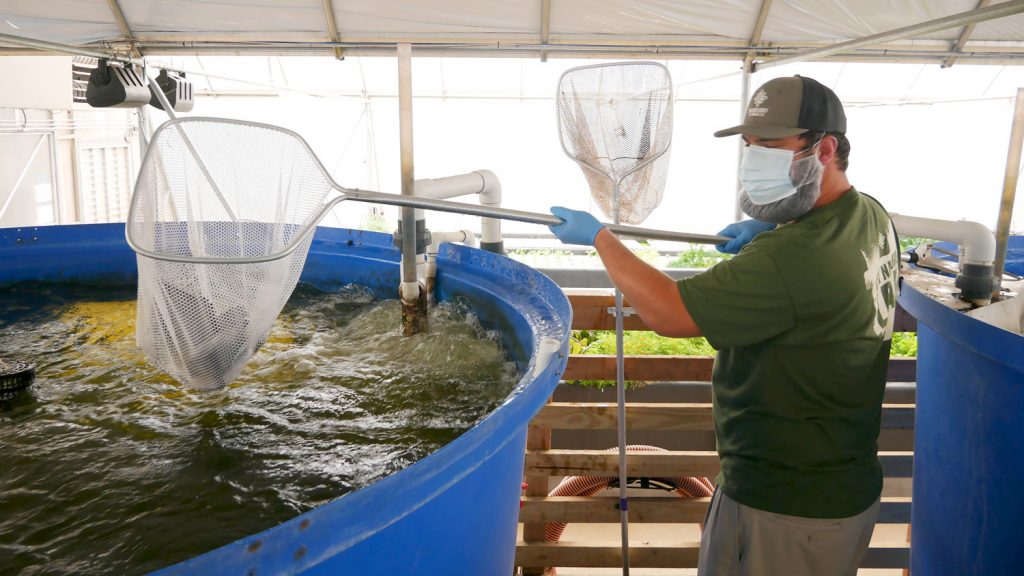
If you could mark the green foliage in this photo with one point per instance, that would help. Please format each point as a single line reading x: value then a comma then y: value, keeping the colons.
x: 648, y: 254
x: 542, y: 256
x: 904, y: 344
x: 374, y: 222
x: 644, y: 342
x: 908, y: 242
x: 634, y: 343
x: 581, y: 341
x: 698, y: 257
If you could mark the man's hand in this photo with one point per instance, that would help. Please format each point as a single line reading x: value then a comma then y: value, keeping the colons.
x: 741, y: 234
x: 578, y: 227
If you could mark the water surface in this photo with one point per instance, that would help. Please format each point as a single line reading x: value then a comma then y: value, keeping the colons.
x: 110, y: 466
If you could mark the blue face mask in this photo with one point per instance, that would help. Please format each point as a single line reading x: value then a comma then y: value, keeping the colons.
x: 777, y: 191
x: 765, y: 174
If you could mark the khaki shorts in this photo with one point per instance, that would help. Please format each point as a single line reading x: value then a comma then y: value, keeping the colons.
x: 742, y: 541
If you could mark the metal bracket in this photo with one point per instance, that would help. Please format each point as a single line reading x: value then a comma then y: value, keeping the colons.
x: 627, y: 311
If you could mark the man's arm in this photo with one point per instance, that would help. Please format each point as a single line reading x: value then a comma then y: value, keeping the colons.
x: 652, y: 293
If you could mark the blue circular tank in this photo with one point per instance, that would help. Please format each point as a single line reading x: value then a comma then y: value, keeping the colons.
x: 968, y: 442
x: 453, y: 512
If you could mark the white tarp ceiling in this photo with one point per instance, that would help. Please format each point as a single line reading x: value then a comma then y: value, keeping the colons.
x: 722, y: 29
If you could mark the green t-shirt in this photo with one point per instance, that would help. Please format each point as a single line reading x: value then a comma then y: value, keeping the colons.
x: 802, y: 320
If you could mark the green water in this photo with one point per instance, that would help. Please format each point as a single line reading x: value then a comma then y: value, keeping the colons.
x: 110, y: 467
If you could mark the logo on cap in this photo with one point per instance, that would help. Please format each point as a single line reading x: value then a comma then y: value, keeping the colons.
x: 757, y: 101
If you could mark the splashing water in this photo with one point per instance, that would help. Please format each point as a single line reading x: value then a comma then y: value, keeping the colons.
x: 112, y: 467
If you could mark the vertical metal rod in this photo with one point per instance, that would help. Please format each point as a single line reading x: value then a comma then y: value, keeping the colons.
x: 143, y: 132
x: 54, y: 176
x: 737, y: 213
x: 24, y: 171
x: 1013, y: 155
x: 620, y: 401
x: 414, y: 317
x: 406, y: 151
x: 159, y: 93
x: 545, y: 27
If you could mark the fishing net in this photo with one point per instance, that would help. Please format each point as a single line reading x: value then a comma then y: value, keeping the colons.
x: 220, y: 220
x: 223, y: 212
x: 615, y: 120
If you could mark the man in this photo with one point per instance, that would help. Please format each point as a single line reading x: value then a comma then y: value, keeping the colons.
x: 802, y: 319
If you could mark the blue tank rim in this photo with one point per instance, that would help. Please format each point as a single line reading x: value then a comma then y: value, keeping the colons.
x: 991, y: 342
x: 115, y: 262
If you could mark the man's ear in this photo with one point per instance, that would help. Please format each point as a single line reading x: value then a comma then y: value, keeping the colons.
x: 827, y: 149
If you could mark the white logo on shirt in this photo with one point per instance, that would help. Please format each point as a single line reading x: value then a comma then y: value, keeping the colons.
x: 882, y: 280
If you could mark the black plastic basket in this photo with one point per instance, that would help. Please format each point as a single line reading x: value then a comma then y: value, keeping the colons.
x: 15, y: 376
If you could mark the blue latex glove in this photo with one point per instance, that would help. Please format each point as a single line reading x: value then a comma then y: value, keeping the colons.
x: 741, y: 234
x: 578, y: 227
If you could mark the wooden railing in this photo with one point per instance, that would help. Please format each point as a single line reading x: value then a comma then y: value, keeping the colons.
x: 680, y: 421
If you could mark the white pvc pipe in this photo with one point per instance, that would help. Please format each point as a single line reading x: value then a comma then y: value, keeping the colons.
x: 437, y: 238
x: 481, y: 182
x: 977, y: 241
x: 409, y: 287
x: 429, y: 264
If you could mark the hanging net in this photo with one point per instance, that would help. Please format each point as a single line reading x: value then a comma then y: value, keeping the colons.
x: 220, y: 220
x: 615, y: 120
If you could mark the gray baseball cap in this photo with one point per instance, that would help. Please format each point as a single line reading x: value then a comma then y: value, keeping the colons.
x: 788, y: 106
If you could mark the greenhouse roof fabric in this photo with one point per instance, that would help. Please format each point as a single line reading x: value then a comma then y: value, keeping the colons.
x: 758, y: 30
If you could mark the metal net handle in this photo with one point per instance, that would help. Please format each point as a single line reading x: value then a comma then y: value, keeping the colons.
x: 429, y: 204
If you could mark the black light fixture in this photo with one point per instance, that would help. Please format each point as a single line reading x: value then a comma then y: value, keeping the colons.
x: 113, y: 85
x: 177, y: 89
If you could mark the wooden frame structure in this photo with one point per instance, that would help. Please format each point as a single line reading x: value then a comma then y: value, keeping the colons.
x: 686, y: 419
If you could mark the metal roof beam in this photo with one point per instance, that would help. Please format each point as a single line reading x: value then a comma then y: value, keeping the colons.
x: 961, y: 19
x: 63, y: 48
x: 755, y: 36
x: 332, y: 27
x: 545, y: 27
x: 962, y: 40
x: 122, y: 23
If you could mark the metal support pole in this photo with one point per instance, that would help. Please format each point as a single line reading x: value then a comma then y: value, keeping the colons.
x: 63, y: 48
x: 545, y: 27
x: 737, y: 213
x: 414, y: 314
x: 55, y: 189
x: 1009, y: 189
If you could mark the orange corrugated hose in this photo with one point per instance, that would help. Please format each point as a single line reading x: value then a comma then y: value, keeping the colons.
x: 685, y: 486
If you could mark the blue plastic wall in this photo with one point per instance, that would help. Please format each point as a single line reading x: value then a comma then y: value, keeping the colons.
x: 968, y: 443
x: 454, y: 512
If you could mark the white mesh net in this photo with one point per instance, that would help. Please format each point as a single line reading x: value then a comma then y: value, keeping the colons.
x: 220, y: 190
x: 615, y: 120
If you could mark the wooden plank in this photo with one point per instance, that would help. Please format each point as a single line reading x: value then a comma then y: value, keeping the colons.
x: 894, y: 510
x: 602, y: 463
x: 645, y: 368
x: 657, y: 510
x: 666, y: 416
x: 652, y: 368
x: 681, y: 554
x: 590, y: 312
x: 537, y: 438
x: 639, y: 416
x: 692, y: 392
x: 889, y: 440
x: 663, y: 464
